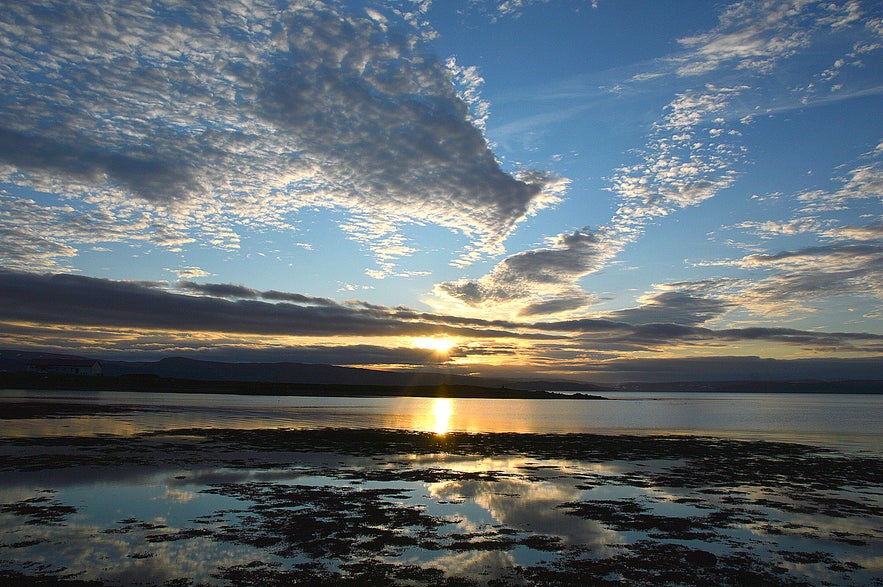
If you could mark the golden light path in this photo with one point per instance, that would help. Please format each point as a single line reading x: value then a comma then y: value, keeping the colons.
x: 442, y: 409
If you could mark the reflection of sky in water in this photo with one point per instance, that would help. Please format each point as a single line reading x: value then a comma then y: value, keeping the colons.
x: 110, y: 535
x: 107, y: 537
x: 123, y: 511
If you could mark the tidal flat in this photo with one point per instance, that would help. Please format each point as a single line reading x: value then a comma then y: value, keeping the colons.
x: 339, y: 506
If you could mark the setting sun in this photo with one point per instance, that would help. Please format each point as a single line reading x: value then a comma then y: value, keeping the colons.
x: 441, y: 345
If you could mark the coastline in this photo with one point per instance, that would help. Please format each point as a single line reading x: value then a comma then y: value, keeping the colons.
x: 155, y: 384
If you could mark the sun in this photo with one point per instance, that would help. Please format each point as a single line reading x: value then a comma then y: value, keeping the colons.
x: 439, y: 345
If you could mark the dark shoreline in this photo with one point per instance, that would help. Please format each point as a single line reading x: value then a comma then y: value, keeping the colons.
x: 154, y: 384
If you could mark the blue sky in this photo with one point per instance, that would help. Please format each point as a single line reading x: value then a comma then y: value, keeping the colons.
x: 606, y: 190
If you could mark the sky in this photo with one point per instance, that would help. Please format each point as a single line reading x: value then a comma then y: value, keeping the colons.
x: 606, y: 190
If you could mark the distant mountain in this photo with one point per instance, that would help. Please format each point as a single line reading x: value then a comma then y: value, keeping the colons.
x: 13, y: 361
x: 184, y: 368
x: 800, y: 386
x: 300, y: 373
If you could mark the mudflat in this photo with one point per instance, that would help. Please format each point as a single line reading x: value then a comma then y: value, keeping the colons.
x: 391, y: 507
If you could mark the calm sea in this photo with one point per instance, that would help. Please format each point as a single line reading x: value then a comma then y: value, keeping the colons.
x: 841, y: 420
x: 154, y: 512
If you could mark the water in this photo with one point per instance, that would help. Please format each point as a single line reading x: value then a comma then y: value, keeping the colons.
x: 837, y: 420
x: 83, y: 493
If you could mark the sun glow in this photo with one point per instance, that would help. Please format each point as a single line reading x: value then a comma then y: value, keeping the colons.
x: 442, y: 409
x: 440, y: 345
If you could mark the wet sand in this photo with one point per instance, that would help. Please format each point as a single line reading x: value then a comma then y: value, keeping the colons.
x: 385, y: 507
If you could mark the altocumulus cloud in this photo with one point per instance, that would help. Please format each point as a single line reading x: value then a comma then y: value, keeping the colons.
x: 200, y: 116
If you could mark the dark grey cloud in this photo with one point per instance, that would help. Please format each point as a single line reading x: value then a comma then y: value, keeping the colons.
x: 555, y: 306
x: 359, y: 354
x: 232, y: 290
x: 606, y: 335
x: 65, y: 310
x: 674, y: 307
x: 297, y: 298
x: 729, y: 368
x: 220, y: 290
x: 87, y: 301
x: 143, y: 174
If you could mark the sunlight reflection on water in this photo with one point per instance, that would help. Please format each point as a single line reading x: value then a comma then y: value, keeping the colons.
x: 843, y: 421
x: 442, y: 409
x: 138, y: 517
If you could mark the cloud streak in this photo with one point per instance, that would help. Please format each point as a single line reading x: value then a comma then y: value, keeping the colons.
x: 73, y: 311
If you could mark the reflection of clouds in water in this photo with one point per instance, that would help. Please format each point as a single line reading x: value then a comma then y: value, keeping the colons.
x: 14, y: 493
x: 530, y: 506
x: 487, y: 565
x: 179, y: 495
x: 109, y: 556
x: 785, y: 512
x: 519, y: 465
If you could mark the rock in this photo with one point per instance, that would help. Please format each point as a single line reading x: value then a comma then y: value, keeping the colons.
x: 700, y: 558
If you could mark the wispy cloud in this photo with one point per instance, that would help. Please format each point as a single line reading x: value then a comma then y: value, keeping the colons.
x: 688, y: 160
x: 862, y: 183
x: 800, y: 276
x: 755, y: 35
x: 845, y: 259
x: 695, y: 150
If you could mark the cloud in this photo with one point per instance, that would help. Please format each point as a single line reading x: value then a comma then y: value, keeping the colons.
x: 317, y: 354
x: 736, y: 369
x: 220, y: 290
x: 189, y: 272
x: 230, y: 290
x: 771, y: 228
x: 499, y: 9
x: 78, y: 315
x: 846, y: 259
x: 544, y: 277
x: 813, y: 273
x: 86, y: 301
x: 694, y: 150
x: 756, y: 35
x: 144, y: 176
x: 861, y: 183
x: 674, y: 307
x: 201, y: 119
x: 683, y: 165
x: 789, y: 282
x: 869, y: 232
